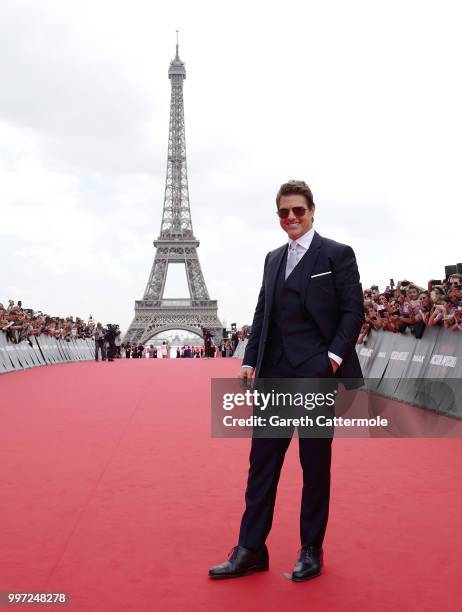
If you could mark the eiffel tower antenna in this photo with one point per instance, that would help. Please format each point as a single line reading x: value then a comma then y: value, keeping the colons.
x: 176, y: 242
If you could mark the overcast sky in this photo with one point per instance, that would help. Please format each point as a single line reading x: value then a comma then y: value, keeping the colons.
x: 360, y: 99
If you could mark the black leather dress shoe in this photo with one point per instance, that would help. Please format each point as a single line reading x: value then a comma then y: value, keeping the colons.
x: 309, y: 564
x: 241, y: 562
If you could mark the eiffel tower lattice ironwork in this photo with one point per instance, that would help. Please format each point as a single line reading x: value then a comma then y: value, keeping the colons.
x: 176, y: 243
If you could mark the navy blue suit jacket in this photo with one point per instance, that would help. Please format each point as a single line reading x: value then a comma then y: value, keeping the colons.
x: 330, y: 292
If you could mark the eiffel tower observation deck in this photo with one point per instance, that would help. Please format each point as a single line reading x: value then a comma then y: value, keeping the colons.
x: 176, y: 243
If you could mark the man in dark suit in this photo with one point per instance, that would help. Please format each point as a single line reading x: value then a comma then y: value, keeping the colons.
x: 307, y: 320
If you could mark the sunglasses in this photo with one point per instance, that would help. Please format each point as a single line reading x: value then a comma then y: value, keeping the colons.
x: 299, y: 211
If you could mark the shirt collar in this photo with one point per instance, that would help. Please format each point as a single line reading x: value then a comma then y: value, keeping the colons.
x: 304, y: 241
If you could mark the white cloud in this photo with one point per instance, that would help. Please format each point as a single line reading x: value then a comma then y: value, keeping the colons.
x: 358, y: 98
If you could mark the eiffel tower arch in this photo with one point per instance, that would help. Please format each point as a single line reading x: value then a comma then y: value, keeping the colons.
x: 176, y: 243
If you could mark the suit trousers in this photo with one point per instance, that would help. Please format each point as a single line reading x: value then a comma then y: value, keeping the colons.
x: 266, y: 460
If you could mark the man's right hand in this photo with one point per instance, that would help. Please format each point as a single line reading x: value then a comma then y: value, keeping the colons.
x: 246, y: 375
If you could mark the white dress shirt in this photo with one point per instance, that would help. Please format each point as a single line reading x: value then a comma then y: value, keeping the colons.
x: 304, y: 243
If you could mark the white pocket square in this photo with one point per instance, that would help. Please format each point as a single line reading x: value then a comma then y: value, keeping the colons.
x: 321, y: 274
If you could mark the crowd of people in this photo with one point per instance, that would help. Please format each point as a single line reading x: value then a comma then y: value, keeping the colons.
x: 397, y: 309
x: 407, y: 306
x: 223, y: 348
x: 212, y: 347
x: 20, y: 323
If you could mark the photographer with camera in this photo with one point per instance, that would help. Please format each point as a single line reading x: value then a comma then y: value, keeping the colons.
x: 110, y: 337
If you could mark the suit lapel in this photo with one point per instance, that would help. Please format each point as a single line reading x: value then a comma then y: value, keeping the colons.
x: 308, y: 261
x: 272, y: 272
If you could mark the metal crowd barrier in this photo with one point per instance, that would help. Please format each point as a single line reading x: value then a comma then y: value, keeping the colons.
x: 43, y: 350
x: 425, y: 372
x: 438, y: 354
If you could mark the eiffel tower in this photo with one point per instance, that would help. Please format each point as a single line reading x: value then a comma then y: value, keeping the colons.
x: 176, y: 243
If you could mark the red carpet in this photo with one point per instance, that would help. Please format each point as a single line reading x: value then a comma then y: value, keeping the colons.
x: 113, y: 491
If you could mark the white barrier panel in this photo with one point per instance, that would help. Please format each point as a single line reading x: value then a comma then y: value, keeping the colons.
x: 45, y: 345
x: 3, y: 357
x: 13, y: 355
x: 16, y: 357
x: 54, y: 350
x: 38, y: 353
x: 43, y: 350
x: 6, y: 364
x: 80, y: 349
x: 74, y: 348
x: 22, y: 350
x: 42, y: 342
x: 64, y: 353
x: 405, y: 368
x: 32, y: 355
x: 89, y: 348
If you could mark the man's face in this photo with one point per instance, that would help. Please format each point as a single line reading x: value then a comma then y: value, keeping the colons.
x: 295, y: 225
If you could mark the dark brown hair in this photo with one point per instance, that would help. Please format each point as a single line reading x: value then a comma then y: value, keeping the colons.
x: 295, y: 187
